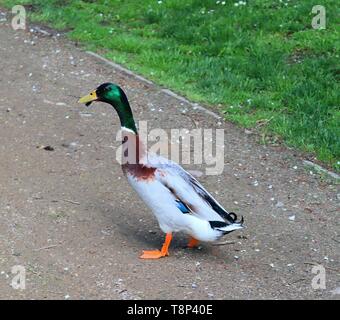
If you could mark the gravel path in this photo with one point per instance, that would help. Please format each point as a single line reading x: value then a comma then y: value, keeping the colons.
x: 70, y: 218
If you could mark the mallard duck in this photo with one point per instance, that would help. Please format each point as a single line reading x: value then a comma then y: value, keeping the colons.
x: 177, y: 199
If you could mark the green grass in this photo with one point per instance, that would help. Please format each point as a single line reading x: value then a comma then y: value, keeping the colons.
x: 262, y: 63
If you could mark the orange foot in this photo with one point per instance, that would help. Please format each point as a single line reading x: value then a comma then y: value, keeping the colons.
x: 156, y: 254
x: 153, y: 254
x: 193, y: 243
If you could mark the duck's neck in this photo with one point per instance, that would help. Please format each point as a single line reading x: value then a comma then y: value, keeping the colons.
x: 125, y: 115
x: 133, y: 148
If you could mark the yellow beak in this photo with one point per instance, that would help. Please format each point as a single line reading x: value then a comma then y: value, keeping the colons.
x: 89, y: 98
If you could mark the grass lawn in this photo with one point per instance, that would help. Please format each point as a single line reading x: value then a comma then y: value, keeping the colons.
x: 260, y: 63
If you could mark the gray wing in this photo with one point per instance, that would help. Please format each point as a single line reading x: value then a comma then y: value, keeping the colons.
x: 179, y: 181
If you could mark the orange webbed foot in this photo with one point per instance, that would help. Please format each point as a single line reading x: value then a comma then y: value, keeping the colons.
x: 156, y: 254
x: 153, y: 254
x: 193, y: 243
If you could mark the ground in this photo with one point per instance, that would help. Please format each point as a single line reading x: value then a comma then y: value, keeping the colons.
x: 70, y: 218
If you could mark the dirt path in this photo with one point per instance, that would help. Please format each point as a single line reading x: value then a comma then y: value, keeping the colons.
x: 71, y: 219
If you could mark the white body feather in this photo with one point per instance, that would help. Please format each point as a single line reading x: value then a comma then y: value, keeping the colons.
x: 158, y: 194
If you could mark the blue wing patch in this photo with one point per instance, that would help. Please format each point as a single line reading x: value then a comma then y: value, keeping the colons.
x: 181, y: 206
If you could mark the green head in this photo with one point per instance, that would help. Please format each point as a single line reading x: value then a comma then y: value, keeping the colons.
x: 114, y: 95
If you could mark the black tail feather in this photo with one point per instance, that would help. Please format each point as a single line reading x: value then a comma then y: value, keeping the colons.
x: 217, y: 224
x: 231, y: 217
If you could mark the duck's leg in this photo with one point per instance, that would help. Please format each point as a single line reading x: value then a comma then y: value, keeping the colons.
x: 156, y: 254
x: 193, y: 243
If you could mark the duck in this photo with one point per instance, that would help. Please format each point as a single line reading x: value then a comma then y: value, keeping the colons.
x: 176, y: 198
